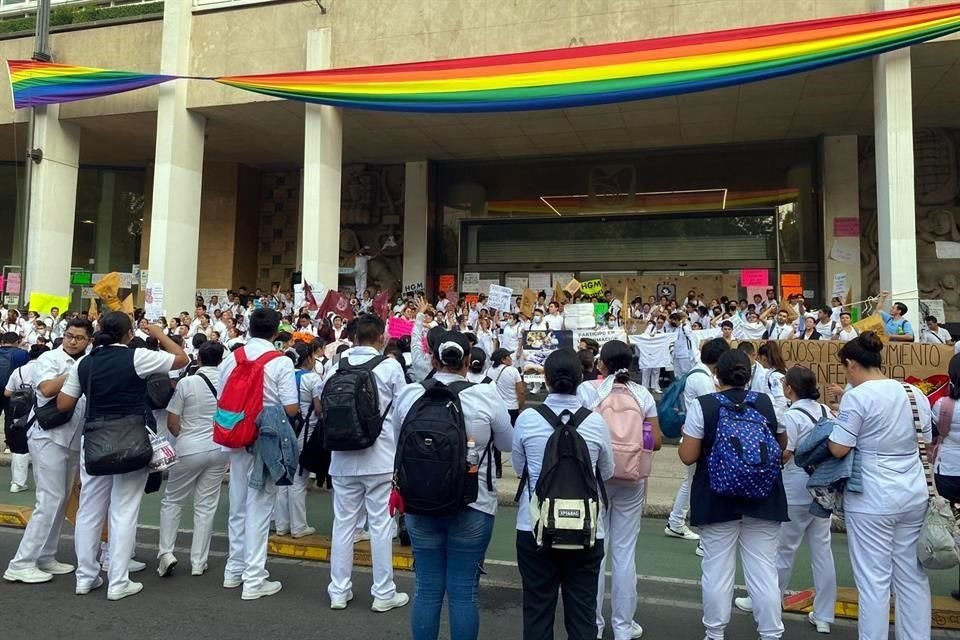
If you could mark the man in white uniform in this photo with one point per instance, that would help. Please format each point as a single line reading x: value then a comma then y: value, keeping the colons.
x: 56, y: 459
x: 250, y: 509
x: 933, y: 333
x: 362, y: 480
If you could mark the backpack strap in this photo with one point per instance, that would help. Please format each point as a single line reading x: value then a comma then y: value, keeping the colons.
x: 486, y: 380
x: 210, y: 386
x: 808, y: 414
x: 922, y: 447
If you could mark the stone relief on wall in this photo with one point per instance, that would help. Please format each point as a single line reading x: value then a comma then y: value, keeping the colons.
x: 937, y: 216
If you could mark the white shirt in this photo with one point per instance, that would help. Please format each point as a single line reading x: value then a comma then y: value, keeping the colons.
x: 875, y: 418
x: 531, y: 433
x: 798, y: 424
x: 554, y: 321
x: 749, y: 331
x: 941, y: 336
x: 505, y: 379
x: 510, y: 337
x: 279, y: 382
x: 847, y: 334
x: 827, y: 329
x: 196, y: 405
x: 378, y: 458
x: 694, y: 426
x: 948, y: 458
x: 484, y: 415
x: 780, y: 332
x: 478, y: 378
x: 51, y: 365
x: 587, y: 394
x: 145, y: 363
x: 698, y: 385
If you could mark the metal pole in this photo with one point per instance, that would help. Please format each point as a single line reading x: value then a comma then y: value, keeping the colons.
x: 41, y: 52
x: 776, y: 234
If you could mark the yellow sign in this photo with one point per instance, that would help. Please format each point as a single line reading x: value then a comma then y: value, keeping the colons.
x: 592, y: 287
x: 43, y: 302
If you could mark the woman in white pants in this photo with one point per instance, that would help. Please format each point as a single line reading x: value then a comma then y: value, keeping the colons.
x: 727, y: 523
x: 290, y: 510
x: 201, y: 464
x: 800, y: 388
x: 878, y: 418
x: 650, y: 378
x: 113, y: 378
x: 625, y: 498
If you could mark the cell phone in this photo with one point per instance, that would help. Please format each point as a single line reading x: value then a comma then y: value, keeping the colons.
x: 279, y: 345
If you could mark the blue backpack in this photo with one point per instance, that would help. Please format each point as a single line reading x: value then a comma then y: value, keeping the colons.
x: 671, y: 410
x: 745, y: 459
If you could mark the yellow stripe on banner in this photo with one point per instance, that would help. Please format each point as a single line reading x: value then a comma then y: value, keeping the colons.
x: 608, y: 72
x: 50, y: 72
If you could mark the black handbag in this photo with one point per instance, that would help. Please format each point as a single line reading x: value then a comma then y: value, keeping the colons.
x: 49, y: 417
x: 112, y: 446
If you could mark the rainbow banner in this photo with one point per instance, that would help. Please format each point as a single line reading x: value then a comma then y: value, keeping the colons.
x: 37, y: 83
x: 557, y: 78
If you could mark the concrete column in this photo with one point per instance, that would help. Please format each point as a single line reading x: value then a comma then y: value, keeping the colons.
x: 178, y: 170
x: 841, y: 199
x: 415, y: 216
x: 896, y: 202
x: 322, y: 168
x: 53, y: 204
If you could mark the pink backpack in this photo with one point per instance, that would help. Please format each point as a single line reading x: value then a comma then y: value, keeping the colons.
x: 632, y: 439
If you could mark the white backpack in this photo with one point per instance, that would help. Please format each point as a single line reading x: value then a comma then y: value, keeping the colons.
x: 631, y: 437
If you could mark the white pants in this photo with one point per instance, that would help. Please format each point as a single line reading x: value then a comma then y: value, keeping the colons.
x: 804, y: 526
x: 249, y: 523
x: 290, y: 510
x: 757, y: 540
x: 198, y: 476
x: 119, y: 497
x: 621, y: 521
x: 678, y: 517
x: 682, y: 366
x: 651, y: 379
x: 883, y: 549
x: 19, y: 468
x: 351, y: 494
x: 54, y: 470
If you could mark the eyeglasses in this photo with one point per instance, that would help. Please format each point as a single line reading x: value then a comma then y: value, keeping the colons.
x: 72, y: 337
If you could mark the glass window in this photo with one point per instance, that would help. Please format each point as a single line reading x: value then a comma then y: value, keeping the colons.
x: 108, y: 231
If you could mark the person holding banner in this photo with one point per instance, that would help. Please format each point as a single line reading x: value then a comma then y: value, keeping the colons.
x: 895, y: 325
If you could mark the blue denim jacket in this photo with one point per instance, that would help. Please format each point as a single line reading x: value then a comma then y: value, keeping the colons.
x: 829, y: 476
x: 275, y: 450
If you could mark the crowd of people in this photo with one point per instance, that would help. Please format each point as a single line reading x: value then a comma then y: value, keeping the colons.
x: 418, y: 425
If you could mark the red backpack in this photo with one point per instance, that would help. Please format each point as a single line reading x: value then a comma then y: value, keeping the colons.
x: 240, y: 403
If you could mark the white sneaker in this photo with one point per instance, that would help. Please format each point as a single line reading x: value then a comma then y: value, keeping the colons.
x: 17, y: 488
x: 27, y: 576
x: 232, y: 582
x: 199, y: 571
x: 83, y: 590
x: 699, y: 550
x: 135, y: 566
x: 360, y: 535
x: 132, y: 589
x: 636, y: 631
x: 309, y: 531
x: 684, y: 533
x: 744, y: 604
x: 822, y: 627
x: 278, y: 532
x: 398, y: 600
x: 339, y: 604
x: 165, y: 564
x: 267, y: 588
x: 57, y: 568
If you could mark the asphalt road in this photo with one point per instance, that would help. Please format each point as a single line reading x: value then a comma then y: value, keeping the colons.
x: 183, y: 606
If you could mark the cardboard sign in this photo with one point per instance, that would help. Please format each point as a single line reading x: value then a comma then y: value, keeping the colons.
x: 561, y: 278
x: 470, y: 283
x: 447, y: 282
x: 528, y: 301
x: 499, y: 297
x: 846, y: 227
x: 572, y: 287
x: 592, y: 287
x: 756, y: 278
x: 413, y: 287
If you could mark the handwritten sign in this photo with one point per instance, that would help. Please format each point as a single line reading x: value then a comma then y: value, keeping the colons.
x: 592, y: 287
x: 846, y: 227
x: 839, y: 286
x: 538, y: 281
x: 153, y: 301
x: 470, y: 283
x: 13, y: 282
x: 499, y: 297
x: 414, y: 287
x: 601, y: 336
x: 758, y: 278
x: 517, y: 283
x: 448, y: 282
x: 399, y: 327
x: 842, y: 251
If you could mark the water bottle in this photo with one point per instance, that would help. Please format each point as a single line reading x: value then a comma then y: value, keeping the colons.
x: 648, y: 436
x: 473, y: 457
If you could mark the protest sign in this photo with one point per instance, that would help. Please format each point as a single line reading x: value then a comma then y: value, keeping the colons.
x: 579, y: 316
x: 572, y: 287
x: 517, y: 283
x: 600, y: 309
x: 758, y: 278
x: 846, y: 227
x: 448, y: 282
x: 470, y: 283
x: 486, y: 284
x: 592, y: 287
x: 601, y: 336
x: 414, y: 287
x: 43, y: 302
x: 562, y: 278
x: 499, y: 297
x: 528, y: 301
x: 153, y: 301
x: 12, y: 284
x: 839, y: 286
x: 399, y: 327
x: 537, y: 345
x: 539, y: 281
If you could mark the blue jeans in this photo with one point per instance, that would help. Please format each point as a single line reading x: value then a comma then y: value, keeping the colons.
x: 448, y: 554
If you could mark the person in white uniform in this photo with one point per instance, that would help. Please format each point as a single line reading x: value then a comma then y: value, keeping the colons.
x: 728, y: 523
x: 363, y: 480
x: 771, y: 358
x: 290, y: 512
x: 651, y: 377
x: 113, y: 379
x: 946, y: 419
x: 449, y: 549
x: 781, y: 329
x: 700, y: 382
x: 800, y: 387
x: 883, y: 523
x: 201, y: 464
x: 933, y: 333
x: 19, y: 455
x: 56, y: 456
x: 625, y: 499
x: 846, y: 331
x: 251, y: 509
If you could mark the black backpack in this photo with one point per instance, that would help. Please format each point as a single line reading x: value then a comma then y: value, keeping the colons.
x: 6, y: 365
x: 430, y: 468
x: 314, y: 457
x: 565, y: 504
x: 20, y: 405
x: 159, y: 391
x: 351, y: 407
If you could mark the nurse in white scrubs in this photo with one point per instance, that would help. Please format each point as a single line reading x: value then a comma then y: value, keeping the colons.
x: 883, y: 523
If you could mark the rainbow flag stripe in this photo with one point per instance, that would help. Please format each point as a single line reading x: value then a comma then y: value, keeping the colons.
x: 608, y: 73
x: 39, y: 83
x: 557, y: 78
